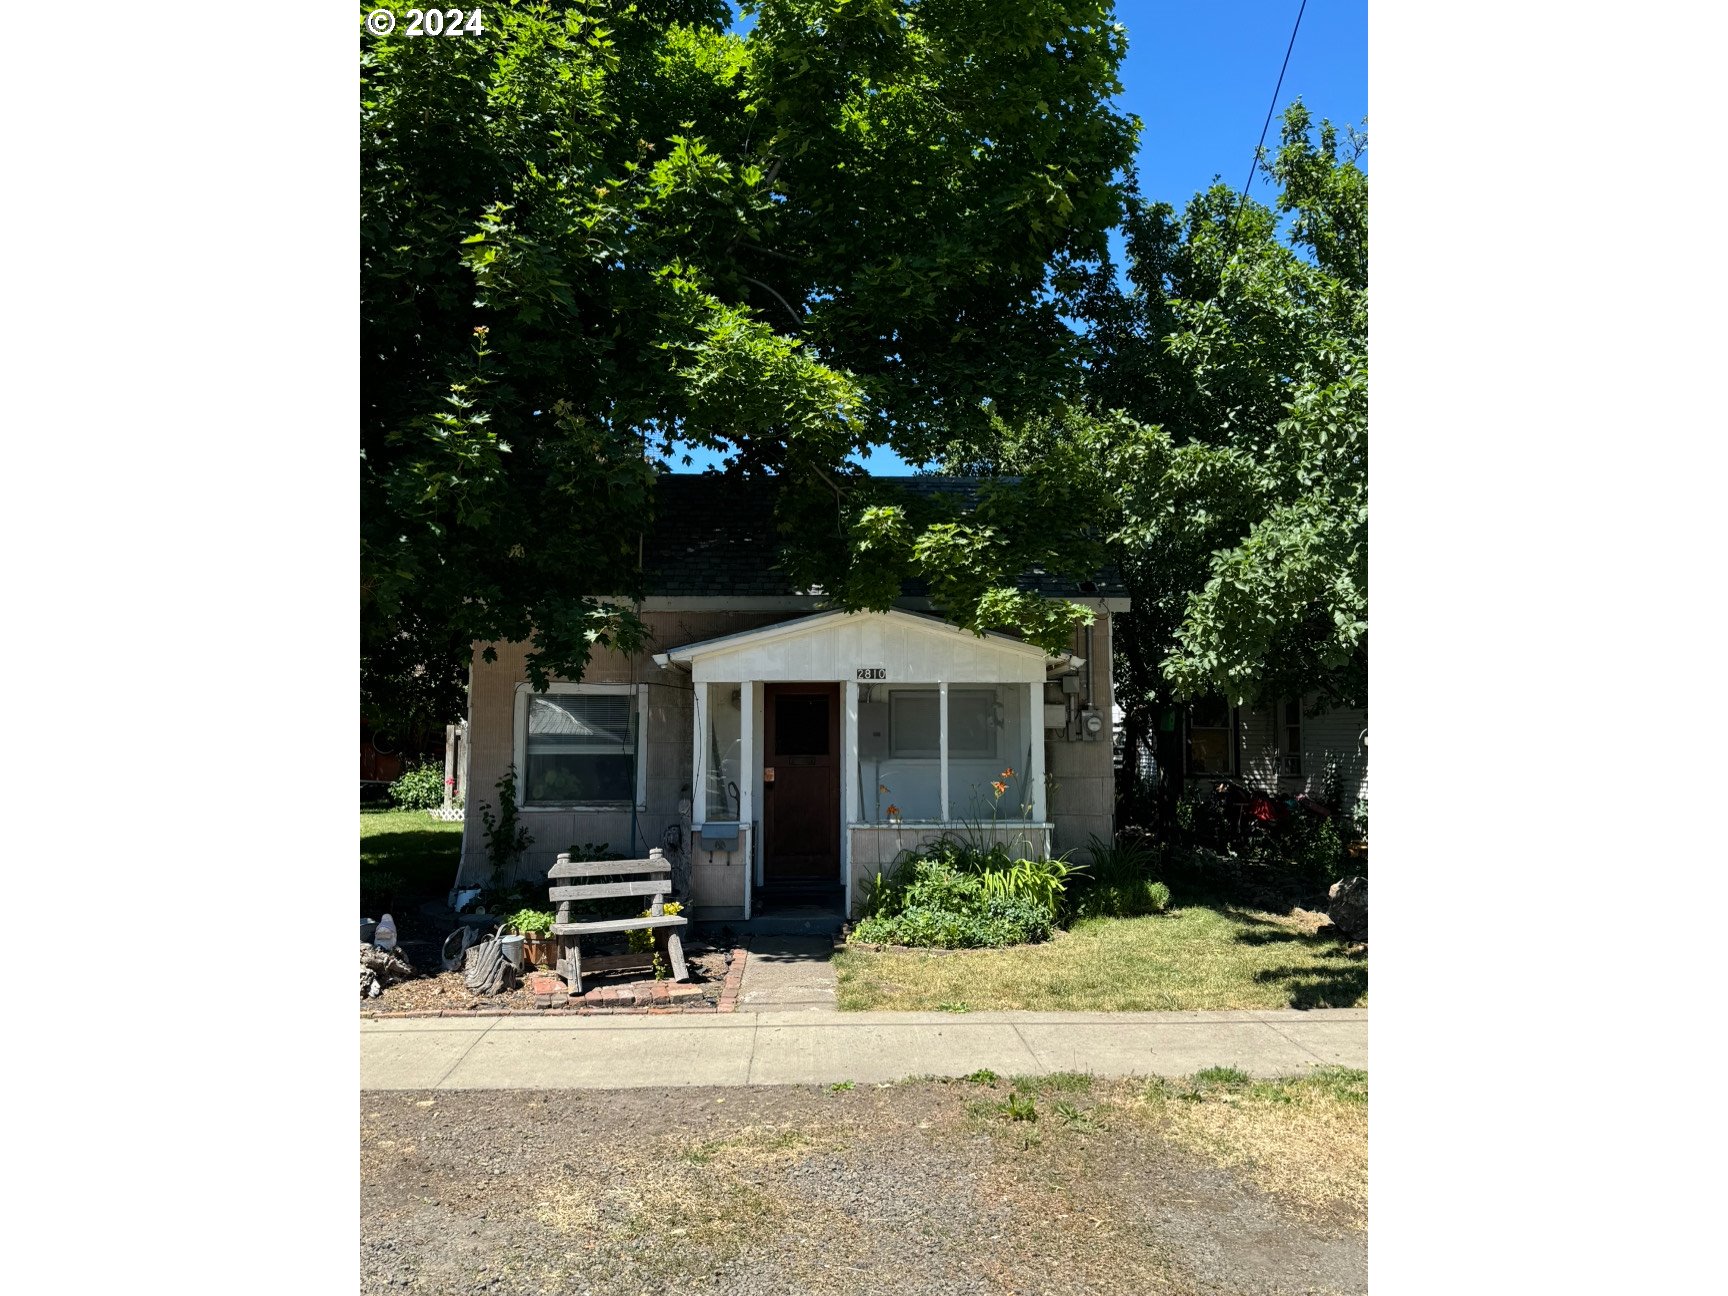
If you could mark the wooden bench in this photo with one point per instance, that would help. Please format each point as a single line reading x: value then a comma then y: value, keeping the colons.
x: 655, y: 880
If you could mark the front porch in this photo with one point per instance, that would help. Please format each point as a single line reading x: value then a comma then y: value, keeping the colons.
x: 825, y: 746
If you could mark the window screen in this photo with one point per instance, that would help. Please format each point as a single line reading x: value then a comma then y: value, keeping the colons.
x: 581, y: 747
x: 915, y: 723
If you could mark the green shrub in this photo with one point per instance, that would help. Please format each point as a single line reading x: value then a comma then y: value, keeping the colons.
x: 955, y: 878
x: 1314, y: 849
x: 419, y: 788
x: 531, y: 922
x: 1001, y: 874
x: 992, y: 923
x: 954, y: 895
x: 1123, y: 900
x: 937, y: 884
x: 1121, y: 881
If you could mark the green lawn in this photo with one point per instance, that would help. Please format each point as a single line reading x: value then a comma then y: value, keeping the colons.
x: 405, y: 857
x: 1186, y: 959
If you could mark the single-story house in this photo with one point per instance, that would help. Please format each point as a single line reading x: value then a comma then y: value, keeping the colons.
x: 782, y: 754
x: 779, y: 753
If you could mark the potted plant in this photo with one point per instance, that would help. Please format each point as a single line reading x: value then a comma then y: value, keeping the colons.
x: 535, y: 925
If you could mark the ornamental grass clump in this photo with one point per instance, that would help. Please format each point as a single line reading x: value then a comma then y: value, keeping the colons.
x: 1120, y: 883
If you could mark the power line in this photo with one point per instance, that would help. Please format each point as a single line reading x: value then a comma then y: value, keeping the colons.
x: 1270, y: 109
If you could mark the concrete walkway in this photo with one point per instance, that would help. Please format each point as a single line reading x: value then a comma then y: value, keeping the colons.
x: 788, y: 974
x: 821, y: 1046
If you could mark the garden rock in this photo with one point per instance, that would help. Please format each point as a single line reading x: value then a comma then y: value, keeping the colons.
x: 1349, y: 907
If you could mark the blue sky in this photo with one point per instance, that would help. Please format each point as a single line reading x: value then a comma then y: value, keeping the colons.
x: 1199, y: 74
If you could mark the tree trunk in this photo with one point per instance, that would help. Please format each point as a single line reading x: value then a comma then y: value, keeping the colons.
x: 388, y: 965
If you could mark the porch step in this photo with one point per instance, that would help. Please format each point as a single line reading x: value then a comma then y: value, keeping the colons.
x: 799, y: 895
x: 786, y: 923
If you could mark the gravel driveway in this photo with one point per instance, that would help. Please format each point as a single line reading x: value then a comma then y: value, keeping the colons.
x: 913, y: 1188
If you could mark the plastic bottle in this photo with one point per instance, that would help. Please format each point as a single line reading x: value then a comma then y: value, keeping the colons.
x: 385, y: 937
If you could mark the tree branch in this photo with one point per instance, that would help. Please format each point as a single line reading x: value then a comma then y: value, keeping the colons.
x: 797, y: 319
x: 839, y: 501
x: 784, y: 256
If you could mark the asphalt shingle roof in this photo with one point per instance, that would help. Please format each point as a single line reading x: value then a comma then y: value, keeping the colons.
x: 714, y: 537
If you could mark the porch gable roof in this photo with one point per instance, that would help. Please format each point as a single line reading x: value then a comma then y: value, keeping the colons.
x: 836, y: 645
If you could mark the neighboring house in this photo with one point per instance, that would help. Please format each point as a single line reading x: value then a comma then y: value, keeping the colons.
x: 780, y: 754
x: 1295, y: 746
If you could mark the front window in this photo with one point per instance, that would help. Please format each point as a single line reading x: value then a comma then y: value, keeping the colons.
x: 580, y: 748
x: 900, y: 771
x: 1211, y: 737
x: 915, y: 723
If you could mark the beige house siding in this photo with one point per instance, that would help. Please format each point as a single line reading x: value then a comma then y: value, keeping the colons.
x: 1081, y: 789
x: 716, y: 883
x: 1082, y: 797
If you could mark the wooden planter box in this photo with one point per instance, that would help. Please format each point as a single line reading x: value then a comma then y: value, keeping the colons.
x: 541, y: 951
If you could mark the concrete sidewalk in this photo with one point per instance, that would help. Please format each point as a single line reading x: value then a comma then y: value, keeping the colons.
x: 825, y: 1047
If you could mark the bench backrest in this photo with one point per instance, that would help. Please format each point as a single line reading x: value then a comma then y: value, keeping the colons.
x: 643, y: 869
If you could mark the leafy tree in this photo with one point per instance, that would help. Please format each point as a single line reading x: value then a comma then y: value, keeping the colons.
x: 1224, y: 426
x: 598, y: 229
x: 1242, y: 485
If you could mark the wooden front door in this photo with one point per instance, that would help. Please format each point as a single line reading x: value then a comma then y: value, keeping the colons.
x: 801, y: 784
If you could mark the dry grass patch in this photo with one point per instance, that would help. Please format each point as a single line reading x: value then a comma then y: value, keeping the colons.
x: 1304, y: 1139
x: 1190, y: 958
x: 1057, y: 1183
x: 708, y: 1195
x: 753, y: 1146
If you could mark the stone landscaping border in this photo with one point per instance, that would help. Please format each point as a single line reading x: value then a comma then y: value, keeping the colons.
x: 552, y: 995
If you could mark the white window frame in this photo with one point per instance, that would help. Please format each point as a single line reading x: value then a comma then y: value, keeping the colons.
x: 1231, y: 726
x: 1289, y: 761
x: 520, y: 748
x: 896, y: 752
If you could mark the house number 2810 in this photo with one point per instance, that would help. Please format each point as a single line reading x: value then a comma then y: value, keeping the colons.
x: 872, y: 672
